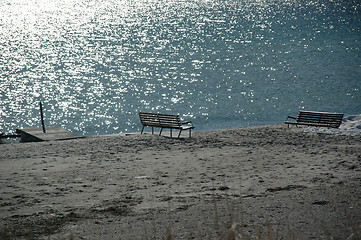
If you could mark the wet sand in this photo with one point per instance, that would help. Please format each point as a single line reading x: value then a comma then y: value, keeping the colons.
x: 248, y: 181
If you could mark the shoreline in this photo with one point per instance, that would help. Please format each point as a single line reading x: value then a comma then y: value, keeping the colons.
x: 130, y: 186
x: 351, y: 126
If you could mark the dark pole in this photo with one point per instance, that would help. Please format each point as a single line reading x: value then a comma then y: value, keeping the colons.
x: 42, y: 117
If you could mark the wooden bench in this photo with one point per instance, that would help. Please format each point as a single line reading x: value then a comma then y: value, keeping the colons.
x: 164, y: 121
x: 317, y: 119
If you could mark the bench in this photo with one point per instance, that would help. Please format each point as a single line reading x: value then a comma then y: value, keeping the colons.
x: 317, y: 119
x: 164, y: 121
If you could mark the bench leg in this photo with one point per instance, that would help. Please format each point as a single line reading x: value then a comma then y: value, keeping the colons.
x: 190, y: 133
x: 142, y: 130
x: 152, y: 130
x: 160, y: 133
x: 180, y: 131
x: 170, y: 132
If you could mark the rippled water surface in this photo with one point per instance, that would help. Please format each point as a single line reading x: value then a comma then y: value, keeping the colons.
x: 96, y: 63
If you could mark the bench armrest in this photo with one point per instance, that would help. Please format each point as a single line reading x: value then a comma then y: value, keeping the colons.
x: 188, y: 122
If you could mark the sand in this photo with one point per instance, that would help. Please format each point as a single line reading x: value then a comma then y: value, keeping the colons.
x: 268, y: 181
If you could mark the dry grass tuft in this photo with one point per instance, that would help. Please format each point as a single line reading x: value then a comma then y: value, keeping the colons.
x: 168, y: 234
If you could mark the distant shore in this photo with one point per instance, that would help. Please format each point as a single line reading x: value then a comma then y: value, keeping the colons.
x: 133, y: 186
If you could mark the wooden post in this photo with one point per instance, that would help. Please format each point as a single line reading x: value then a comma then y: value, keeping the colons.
x: 42, y: 117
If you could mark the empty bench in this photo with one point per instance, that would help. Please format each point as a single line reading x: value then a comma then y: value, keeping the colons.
x: 164, y: 121
x: 316, y: 119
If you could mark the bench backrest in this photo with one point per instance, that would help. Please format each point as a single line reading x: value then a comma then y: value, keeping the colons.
x: 330, y: 119
x: 159, y: 120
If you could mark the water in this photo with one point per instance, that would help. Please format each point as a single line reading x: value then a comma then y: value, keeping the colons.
x: 96, y: 63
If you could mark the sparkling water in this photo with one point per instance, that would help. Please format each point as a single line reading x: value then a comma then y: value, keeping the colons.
x: 94, y: 64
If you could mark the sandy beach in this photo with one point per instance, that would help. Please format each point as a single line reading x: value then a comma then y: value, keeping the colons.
x: 266, y: 182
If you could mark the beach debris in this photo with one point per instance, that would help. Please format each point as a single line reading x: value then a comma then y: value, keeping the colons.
x: 287, y: 188
x: 39, y: 134
x: 322, y: 202
x: 141, y: 177
x: 223, y: 188
x: 52, y: 133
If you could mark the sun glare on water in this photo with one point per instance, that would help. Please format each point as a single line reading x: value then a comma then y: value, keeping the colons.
x: 95, y: 64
